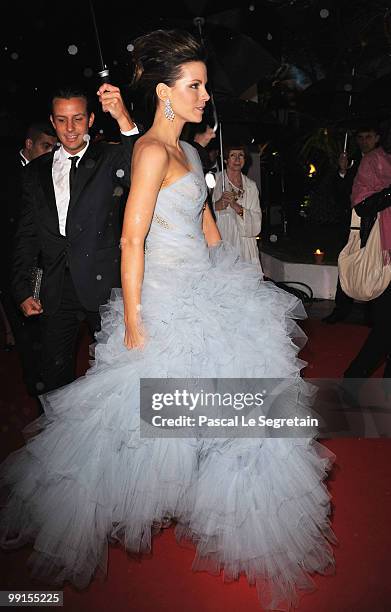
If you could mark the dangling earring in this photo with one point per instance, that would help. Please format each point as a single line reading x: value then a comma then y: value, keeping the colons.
x: 168, y: 112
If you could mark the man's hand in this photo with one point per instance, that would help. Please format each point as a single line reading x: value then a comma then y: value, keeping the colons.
x: 204, y: 138
x: 112, y: 102
x: 31, y: 307
x: 343, y: 163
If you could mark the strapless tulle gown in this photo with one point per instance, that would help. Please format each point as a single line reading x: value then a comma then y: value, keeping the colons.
x: 86, y: 478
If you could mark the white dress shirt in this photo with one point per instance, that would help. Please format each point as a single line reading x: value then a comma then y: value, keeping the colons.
x: 60, y: 173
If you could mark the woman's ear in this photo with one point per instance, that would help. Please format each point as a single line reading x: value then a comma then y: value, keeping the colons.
x: 162, y: 91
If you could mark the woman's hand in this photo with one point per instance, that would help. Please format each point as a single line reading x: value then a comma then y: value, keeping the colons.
x: 134, y: 335
x: 227, y: 198
x: 237, y: 208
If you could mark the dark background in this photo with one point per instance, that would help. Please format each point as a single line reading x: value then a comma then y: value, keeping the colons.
x: 36, y: 36
x: 297, y: 56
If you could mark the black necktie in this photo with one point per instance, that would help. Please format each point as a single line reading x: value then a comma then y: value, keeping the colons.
x: 72, y: 171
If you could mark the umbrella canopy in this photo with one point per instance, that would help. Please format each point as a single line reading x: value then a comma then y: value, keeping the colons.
x: 236, y: 110
x: 360, y: 120
x: 328, y: 98
x: 375, y: 97
x: 235, y: 60
x: 243, y: 121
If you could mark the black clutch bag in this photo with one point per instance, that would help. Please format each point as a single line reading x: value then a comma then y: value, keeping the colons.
x: 35, y: 281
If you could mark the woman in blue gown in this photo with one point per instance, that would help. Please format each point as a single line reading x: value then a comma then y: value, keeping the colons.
x: 188, y: 308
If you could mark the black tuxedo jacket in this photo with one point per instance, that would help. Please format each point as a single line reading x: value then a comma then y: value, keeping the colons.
x: 91, y: 246
x: 10, y: 196
x: 343, y: 186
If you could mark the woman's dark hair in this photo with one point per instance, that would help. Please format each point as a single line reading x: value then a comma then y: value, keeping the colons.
x: 158, y: 58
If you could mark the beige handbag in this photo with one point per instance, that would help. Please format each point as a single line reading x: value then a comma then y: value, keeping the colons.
x: 361, y: 271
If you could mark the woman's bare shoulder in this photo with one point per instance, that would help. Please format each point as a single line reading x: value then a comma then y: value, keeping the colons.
x: 151, y: 147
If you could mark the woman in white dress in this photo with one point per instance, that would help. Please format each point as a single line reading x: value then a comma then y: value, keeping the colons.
x: 238, y: 211
x: 189, y: 308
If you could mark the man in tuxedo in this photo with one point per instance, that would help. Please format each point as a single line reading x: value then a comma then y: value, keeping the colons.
x: 69, y: 226
x: 203, y: 135
x: 40, y: 138
x: 200, y: 136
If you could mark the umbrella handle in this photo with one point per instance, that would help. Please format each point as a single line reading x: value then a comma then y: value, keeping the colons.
x: 222, y: 160
x: 199, y: 22
x: 345, y: 145
x: 104, y: 75
x: 349, y: 105
x: 215, y: 118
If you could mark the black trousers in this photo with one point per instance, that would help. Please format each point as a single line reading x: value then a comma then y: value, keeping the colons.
x: 27, y: 336
x: 377, y: 347
x: 343, y: 302
x: 344, y: 305
x: 59, y: 333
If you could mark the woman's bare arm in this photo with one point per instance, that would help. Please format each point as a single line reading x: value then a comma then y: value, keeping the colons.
x: 149, y: 168
x: 209, y: 227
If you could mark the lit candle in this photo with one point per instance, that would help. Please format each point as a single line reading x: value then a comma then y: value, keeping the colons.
x: 319, y: 255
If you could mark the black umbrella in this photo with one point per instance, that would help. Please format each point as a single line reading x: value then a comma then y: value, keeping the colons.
x: 236, y: 110
x: 361, y: 119
x: 251, y: 133
x: 244, y: 121
x: 328, y: 99
x: 236, y: 61
x: 375, y: 98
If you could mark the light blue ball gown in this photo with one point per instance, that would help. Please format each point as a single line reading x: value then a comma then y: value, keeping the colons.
x: 87, y: 478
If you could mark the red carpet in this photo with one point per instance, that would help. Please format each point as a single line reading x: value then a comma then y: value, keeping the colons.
x: 360, y: 485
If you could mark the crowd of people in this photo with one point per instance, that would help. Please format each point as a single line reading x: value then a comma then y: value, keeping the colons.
x: 47, y: 344
x: 171, y: 286
x: 236, y: 209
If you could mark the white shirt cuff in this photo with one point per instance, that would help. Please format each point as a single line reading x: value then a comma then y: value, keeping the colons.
x: 131, y: 132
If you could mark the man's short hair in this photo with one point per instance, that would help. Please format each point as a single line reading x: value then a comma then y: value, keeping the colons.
x: 370, y: 127
x: 36, y: 128
x: 67, y: 92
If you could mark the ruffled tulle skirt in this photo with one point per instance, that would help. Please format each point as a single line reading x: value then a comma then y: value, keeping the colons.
x: 86, y: 477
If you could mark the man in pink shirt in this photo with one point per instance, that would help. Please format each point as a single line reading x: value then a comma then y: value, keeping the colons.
x: 371, y: 198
